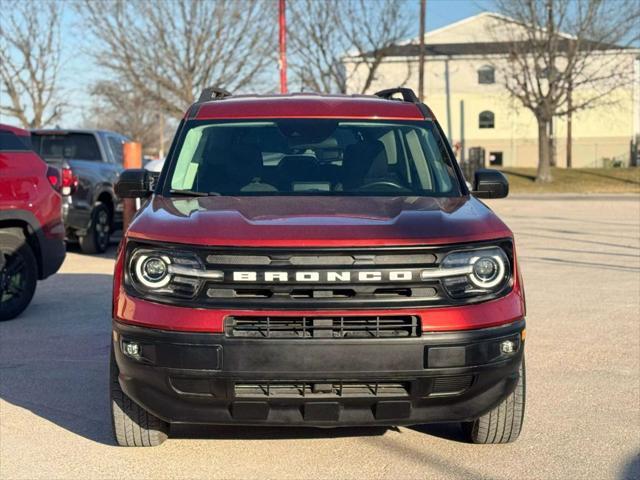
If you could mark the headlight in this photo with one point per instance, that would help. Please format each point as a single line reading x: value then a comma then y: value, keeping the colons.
x: 152, y: 271
x: 472, y: 272
x: 168, y: 272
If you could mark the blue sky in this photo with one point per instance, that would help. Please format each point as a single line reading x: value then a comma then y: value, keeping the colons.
x: 79, y: 72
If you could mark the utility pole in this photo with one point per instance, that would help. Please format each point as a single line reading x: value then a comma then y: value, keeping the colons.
x: 462, y: 146
x: 423, y: 13
x: 553, y: 78
x: 161, y: 137
x: 448, y: 96
x: 569, y: 122
x: 283, y: 46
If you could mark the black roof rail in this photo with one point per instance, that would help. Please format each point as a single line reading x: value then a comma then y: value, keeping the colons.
x: 213, y: 93
x: 408, y: 95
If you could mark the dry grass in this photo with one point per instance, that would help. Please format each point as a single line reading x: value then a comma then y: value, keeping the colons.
x: 576, y: 180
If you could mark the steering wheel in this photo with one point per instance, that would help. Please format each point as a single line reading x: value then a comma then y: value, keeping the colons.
x: 382, y: 183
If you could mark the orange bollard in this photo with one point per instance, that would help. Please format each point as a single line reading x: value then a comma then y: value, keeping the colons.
x: 132, y: 153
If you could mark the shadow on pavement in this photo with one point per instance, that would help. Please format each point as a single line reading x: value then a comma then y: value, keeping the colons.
x: 429, y: 458
x: 631, y: 470
x: 531, y: 178
x: 213, y: 432
x: 54, y: 357
x: 446, y: 431
x: 611, y: 177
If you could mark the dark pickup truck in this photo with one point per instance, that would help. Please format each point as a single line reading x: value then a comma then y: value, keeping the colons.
x: 90, y: 162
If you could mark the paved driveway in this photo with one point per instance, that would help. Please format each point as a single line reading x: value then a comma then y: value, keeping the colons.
x: 581, y: 261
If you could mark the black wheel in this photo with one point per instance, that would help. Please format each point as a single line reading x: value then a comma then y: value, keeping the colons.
x: 18, y: 275
x: 503, y: 423
x: 97, y: 238
x: 132, y: 425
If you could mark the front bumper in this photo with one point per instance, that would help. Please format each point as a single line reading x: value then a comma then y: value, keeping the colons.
x: 213, y: 379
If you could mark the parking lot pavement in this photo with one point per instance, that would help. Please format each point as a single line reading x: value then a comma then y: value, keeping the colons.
x: 581, y: 262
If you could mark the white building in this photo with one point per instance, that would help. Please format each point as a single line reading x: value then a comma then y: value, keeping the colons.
x: 492, y: 119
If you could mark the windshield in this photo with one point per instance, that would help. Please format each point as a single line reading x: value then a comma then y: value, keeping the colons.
x: 71, y: 146
x: 311, y: 157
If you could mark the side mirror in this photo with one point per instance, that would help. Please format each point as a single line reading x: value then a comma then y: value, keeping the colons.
x: 135, y: 183
x: 490, y: 184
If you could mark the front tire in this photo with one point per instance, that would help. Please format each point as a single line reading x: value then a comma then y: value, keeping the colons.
x: 132, y: 425
x: 504, y: 422
x: 18, y: 275
x: 98, y: 235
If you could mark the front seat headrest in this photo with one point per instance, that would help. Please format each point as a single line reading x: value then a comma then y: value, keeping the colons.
x: 363, y: 160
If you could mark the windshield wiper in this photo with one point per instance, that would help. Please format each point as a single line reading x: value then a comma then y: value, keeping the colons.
x: 193, y: 193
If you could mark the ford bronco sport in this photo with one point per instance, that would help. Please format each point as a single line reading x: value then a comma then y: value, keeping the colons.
x: 315, y: 260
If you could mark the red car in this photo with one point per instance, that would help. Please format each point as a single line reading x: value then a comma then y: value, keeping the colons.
x: 315, y: 260
x: 31, y: 231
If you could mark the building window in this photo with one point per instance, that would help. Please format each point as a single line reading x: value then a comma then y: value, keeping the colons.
x: 495, y: 159
x: 486, y: 119
x: 486, y: 74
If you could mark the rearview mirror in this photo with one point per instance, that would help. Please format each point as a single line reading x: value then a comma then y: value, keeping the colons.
x: 490, y: 184
x: 135, y: 183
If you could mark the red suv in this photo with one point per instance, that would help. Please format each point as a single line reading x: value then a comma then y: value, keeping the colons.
x: 315, y: 260
x: 31, y: 231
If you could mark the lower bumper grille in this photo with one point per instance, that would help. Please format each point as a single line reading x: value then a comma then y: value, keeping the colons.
x: 451, y: 385
x: 306, y: 389
x: 323, y: 327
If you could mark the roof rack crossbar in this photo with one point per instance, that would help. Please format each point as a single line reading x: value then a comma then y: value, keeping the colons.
x: 213, y: 93
x: 408, y: 95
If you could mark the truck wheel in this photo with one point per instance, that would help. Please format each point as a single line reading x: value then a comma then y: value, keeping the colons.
x: 18, y: 275
x: 132, y: 425
x: 503, y: 423
x: 97, y: 238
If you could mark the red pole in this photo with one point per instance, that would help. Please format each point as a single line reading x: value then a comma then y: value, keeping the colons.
x: 283, y: 47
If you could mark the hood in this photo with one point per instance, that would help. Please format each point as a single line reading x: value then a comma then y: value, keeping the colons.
x: 316, y: 221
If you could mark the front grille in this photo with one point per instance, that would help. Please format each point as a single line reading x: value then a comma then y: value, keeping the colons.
x: 332, y: 277
x: 323, y: 327
x: 327, y: 389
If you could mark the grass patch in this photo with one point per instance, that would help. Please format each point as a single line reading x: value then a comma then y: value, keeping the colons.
x: 576, y: 180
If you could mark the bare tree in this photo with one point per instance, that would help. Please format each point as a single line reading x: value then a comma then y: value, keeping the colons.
x: 168, y: 50
x: 322, y: 33
x: 316, y: 43
x: 30, y: 61
x: 116, y: 107
x: 559, y: 48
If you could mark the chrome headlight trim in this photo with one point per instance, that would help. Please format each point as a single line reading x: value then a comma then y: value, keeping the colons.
x: 459, y: 265
x: 194, y: 272
x: 445, y: 272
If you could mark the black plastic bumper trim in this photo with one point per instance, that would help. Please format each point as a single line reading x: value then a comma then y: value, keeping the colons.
x: 208, y: 395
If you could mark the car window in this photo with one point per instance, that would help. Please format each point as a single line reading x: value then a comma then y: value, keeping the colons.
x: 10, y: 142
x: 115, y: 144
x: 312, y: 156
x: 71, y: 146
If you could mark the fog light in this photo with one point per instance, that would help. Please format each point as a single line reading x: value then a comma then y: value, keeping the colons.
x: 507, y: 346
x: 131, y: 349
